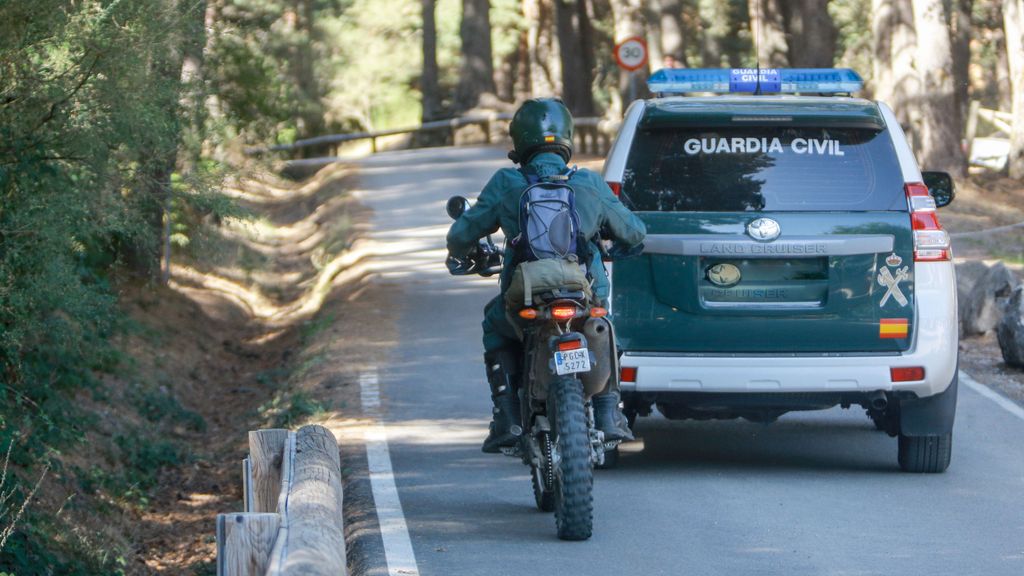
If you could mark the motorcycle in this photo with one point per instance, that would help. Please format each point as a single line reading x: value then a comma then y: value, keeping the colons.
x: 568, y: 357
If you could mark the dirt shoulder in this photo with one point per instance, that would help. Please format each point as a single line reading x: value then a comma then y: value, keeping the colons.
x: 264, y: 324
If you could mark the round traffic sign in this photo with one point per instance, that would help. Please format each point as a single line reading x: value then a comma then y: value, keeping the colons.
x: 631, y: 53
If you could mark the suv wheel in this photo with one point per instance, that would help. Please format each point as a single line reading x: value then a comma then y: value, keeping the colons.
x: 927, y: 454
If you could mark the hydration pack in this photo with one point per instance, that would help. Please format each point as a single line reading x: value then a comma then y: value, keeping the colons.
x: 549, y: 226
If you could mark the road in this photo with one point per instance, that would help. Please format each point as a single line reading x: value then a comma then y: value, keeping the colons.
x: 816, y: 493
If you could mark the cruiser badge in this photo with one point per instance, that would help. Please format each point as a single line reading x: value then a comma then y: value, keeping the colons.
x: 894, y: 260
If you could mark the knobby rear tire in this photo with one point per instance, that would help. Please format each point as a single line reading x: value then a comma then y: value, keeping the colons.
x: 574, y: 476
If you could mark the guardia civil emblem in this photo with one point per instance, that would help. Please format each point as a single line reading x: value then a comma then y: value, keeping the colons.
x: 891, y: 282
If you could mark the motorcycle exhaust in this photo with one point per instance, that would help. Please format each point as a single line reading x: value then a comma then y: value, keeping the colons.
x: 599, y: 339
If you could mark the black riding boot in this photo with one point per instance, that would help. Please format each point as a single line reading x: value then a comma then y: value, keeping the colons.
x: 502, y: 372
x: 609, y: 419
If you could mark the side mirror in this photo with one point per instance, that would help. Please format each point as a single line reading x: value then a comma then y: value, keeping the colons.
x: 940, y: 186
x: 456, y: 206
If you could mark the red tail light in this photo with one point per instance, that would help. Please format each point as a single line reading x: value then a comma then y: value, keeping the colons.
x: 627, y: 374
x: 563, y: 312
x: 570, y: 345
x: 906, y: 374
x: 616, y: 187
x: 931, y: 242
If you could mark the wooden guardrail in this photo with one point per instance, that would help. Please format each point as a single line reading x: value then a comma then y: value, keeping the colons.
x: 292, y: 523
x: 593, y: 134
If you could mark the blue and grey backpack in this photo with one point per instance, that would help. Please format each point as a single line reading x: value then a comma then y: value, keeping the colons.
x: 549, y: 225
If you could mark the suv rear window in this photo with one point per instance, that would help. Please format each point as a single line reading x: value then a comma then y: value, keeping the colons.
x: 752, y: 168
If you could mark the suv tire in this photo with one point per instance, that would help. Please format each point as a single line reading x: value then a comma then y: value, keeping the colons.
x: 925, y: 454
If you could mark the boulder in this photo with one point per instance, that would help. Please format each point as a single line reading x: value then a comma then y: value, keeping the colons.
x: 1010, y: 330
x: 967, y: 276
x: 982, y: 308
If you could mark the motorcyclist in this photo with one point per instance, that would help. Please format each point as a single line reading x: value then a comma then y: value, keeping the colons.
x: 541, y: 132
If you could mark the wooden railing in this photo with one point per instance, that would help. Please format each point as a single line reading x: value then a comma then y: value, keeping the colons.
x: 593, y: 134
x: 292, y: 523
x: 991, y: 151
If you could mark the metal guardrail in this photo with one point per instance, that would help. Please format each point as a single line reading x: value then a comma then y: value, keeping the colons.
x: 593, y: 134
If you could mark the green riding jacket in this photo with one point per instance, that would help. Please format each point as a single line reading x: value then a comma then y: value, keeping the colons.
x: 498, y: 207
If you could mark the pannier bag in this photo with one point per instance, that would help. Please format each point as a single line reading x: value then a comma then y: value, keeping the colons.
x: 539, y: 276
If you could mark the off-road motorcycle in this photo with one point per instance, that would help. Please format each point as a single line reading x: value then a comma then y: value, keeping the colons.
x: 568, y: 357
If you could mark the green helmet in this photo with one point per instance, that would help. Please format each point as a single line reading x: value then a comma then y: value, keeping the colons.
x: 541, y: 125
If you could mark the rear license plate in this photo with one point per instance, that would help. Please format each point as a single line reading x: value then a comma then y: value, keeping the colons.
x: 572, y: 361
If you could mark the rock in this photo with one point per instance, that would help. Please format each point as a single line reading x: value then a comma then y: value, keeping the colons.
x: 981, y: 310
x: 967, y: 276
x: 1010, y: 330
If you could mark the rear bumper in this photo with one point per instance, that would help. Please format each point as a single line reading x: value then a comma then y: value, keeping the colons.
x: 935, y: 348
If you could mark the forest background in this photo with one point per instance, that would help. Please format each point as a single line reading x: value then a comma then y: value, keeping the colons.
x: 120, y: 119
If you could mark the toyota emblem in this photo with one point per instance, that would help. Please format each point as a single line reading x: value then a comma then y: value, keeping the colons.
x: 764, y: 229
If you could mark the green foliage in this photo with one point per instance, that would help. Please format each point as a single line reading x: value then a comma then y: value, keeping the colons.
x: 290, y: 409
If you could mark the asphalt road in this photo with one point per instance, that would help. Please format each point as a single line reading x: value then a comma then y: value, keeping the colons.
x: 816, y: 493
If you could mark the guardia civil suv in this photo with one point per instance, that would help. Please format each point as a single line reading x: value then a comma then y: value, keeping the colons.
x: 794, y: 258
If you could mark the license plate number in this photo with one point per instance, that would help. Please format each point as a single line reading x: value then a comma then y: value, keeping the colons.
x: 572, y: 361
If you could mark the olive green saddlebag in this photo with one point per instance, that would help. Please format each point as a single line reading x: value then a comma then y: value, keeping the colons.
x: 539, y: 276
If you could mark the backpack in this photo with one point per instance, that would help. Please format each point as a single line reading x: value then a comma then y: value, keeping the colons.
x: 550, y: 250
x: 549, y: 226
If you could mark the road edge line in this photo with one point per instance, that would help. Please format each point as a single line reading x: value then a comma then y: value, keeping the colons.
x: 1003, y: 402
x: 394, y: 532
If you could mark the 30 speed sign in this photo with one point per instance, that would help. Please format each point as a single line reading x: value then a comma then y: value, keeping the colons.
x: 631, y: 53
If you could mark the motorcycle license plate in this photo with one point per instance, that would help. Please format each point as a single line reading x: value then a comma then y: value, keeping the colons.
x: 572, y: 361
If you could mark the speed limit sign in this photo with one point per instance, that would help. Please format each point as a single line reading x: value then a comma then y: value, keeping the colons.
x: 631, y: 53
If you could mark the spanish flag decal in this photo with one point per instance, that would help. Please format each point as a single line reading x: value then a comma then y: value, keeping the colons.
x: 893, y: 328
x: 549, y: 138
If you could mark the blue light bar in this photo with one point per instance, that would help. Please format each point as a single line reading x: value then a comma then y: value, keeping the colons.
x: 740, y: 80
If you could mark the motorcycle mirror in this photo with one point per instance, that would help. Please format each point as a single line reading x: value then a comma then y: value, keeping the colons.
x: 456, y: 206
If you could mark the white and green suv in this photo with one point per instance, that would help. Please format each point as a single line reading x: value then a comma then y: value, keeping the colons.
x: 794, y: 259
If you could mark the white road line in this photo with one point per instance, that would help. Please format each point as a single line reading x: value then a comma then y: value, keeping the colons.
x: 398, y: 554
x: 1004, y: 402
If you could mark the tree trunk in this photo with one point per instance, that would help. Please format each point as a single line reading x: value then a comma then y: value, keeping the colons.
x: 477, y: 75
x: 768, y: 31
x: 881, y: 49
x: 715, y: 28
x: 1013, y: 23
x: 673, y: 47
x: 428, y: 80
x: 960, y: 37
x: 939, y: 146
x: 906, y: 86
x: 577, y: 56
x: 810, y: 34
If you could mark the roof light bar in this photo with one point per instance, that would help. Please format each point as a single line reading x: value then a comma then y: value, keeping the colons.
x: 745, y: 80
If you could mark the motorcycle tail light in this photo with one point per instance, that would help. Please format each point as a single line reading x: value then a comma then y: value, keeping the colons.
x: 563, y: 312
x: 528, y: 314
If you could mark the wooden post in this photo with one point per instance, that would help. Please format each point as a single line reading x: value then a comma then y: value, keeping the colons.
x: 373, y: 144
x: 266, y: 448
x: 972, y: 126
x: 487, y: 131
x: 314, y: 534
x: 244, y: 542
